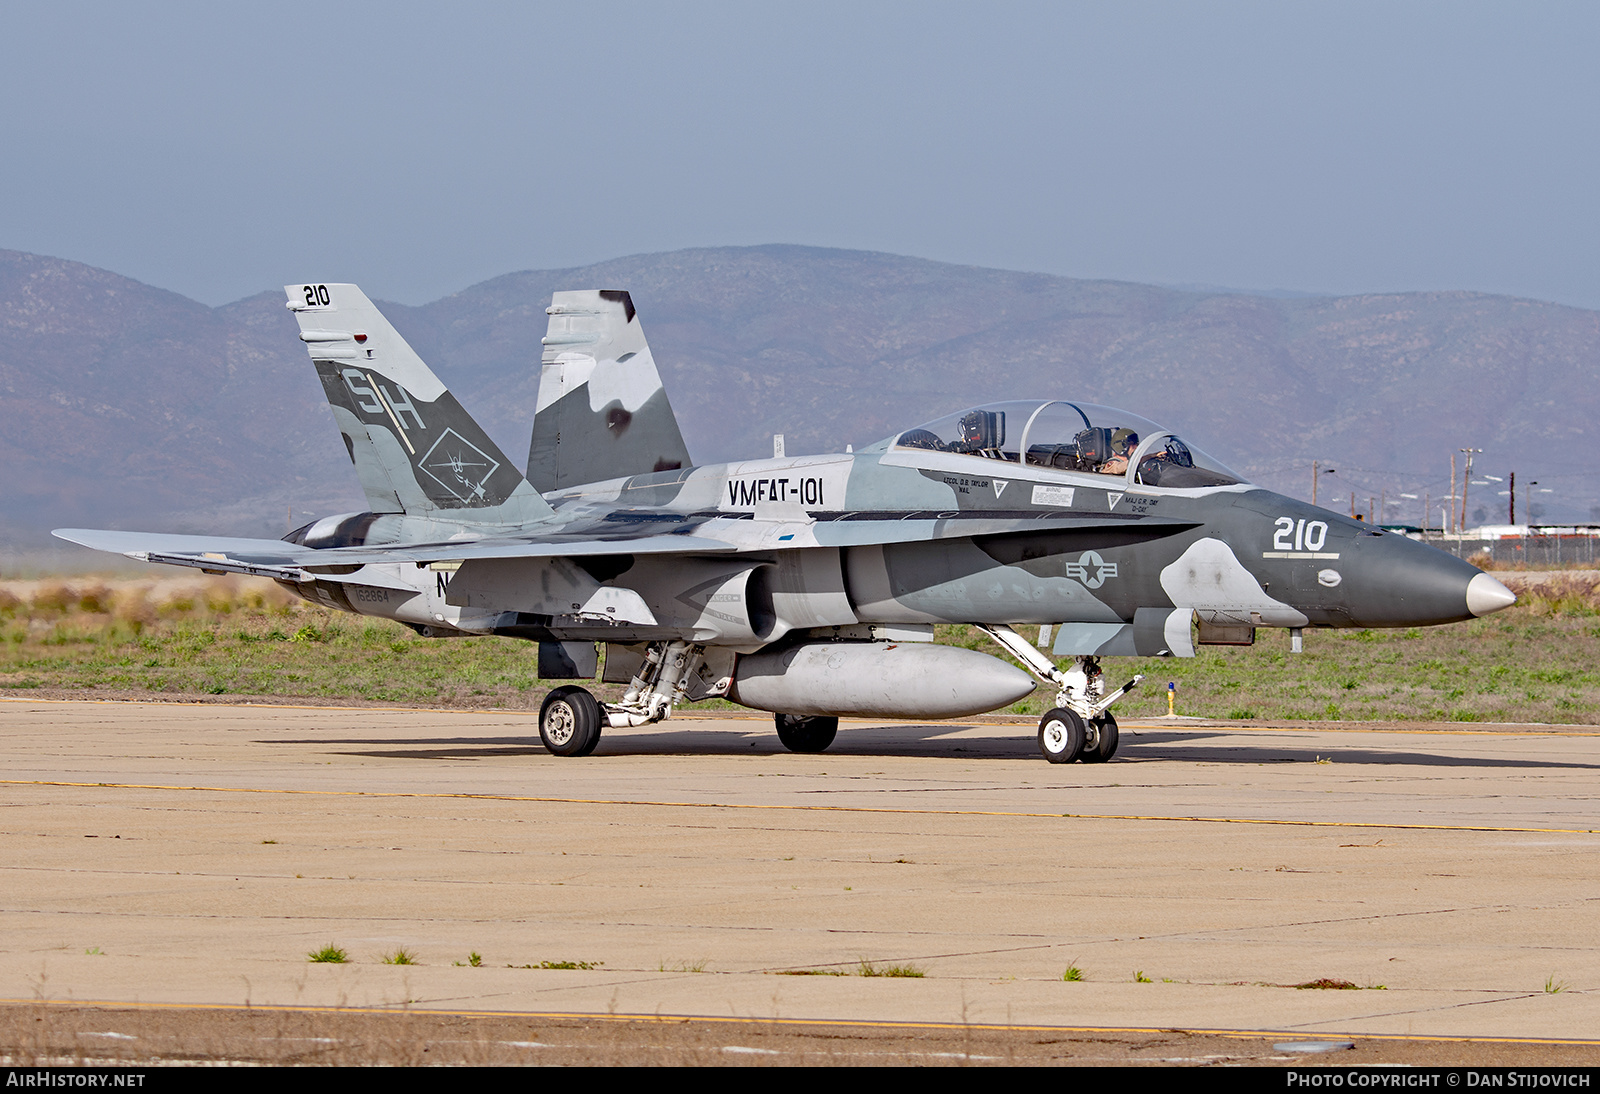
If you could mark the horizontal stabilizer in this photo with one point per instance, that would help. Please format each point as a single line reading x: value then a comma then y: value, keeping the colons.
x: 221, y: 554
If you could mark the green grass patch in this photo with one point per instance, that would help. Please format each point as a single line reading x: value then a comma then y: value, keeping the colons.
x: 328, y: 955
x: 867, y: 968
x: 585, y: 965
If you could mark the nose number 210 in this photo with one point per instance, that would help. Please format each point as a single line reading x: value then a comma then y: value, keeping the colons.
x: 1307, y: 537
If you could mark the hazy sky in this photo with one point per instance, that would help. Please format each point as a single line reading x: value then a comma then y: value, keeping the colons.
x: 219, y: 150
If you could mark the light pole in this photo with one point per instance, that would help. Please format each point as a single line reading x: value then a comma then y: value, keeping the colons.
x: 1446, y: 522
x: 1317, y: 471
x: 1466, y: 477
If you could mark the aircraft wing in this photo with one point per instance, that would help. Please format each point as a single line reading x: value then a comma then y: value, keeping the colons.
x: 615, y: 533
x: 292, y: 562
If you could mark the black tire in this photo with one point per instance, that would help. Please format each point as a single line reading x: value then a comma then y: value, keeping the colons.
x: 570, y: 722
x: 1105, y: 745
x: 1061, y: 736
x: 806, y: 733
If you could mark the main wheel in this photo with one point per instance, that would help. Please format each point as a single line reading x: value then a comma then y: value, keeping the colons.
x: 1104, y: 744
x: 803, y: 733
x: 1060, y: 736
x: 570, y: 721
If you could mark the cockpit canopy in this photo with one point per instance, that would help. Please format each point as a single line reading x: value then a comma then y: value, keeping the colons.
x: 1066, y: 436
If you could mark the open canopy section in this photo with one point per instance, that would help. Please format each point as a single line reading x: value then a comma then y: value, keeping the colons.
x: 1082, y: 437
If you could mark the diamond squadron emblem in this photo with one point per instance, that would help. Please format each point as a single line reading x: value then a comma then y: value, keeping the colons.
x: 459, y: 466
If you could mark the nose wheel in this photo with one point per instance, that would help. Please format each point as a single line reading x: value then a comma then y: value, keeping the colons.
x: 1064, y: 737
x: 1101, y: 743
x: 1081, y: 726
x: 1061, y: 735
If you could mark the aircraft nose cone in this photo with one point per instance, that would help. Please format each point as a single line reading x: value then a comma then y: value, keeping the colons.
x: 1392, y: 581
x: 1486, y: 595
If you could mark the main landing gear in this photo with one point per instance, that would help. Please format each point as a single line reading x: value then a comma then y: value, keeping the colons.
x: 802, y: 733
x: 1080, y: 727
x: 570, y: 720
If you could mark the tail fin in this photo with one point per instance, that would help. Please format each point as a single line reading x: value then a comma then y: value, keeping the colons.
x: 602, y: 411
x: 415, y: 449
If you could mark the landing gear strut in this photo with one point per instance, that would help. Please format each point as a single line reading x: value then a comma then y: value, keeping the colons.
x: 571, y: 719
x: 1081, y: 726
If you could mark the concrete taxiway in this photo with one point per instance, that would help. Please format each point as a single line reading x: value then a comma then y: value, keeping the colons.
x: 195, y: 854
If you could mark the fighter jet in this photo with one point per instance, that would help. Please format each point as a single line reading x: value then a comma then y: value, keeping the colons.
x: 808, y: 586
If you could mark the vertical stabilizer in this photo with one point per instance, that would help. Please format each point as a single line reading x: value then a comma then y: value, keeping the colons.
x: 415, y: 449
x: 602, y: 411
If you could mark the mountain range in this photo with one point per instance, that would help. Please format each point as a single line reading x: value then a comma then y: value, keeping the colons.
x: 125, y: 405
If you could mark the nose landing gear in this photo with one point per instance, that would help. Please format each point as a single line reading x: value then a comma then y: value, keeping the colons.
x: 1080, y: 727
x: 1064, y: 737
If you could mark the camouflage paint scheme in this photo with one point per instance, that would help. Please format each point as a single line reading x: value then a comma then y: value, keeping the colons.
x: 613, y: 537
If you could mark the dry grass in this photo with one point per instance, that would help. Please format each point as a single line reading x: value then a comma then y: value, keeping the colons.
x: 1577, y: 594
x: 1487, y: 562
x: 239, y: 637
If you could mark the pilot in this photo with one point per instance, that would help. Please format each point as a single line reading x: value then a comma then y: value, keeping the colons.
x: 1123, y: 442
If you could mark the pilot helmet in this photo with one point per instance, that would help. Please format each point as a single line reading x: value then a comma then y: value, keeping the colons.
x: 1124, y: 440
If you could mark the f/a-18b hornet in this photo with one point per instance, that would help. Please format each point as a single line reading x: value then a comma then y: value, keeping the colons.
x: 806, y: 586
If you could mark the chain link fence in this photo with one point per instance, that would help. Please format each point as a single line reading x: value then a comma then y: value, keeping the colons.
x: 1553, y: 548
